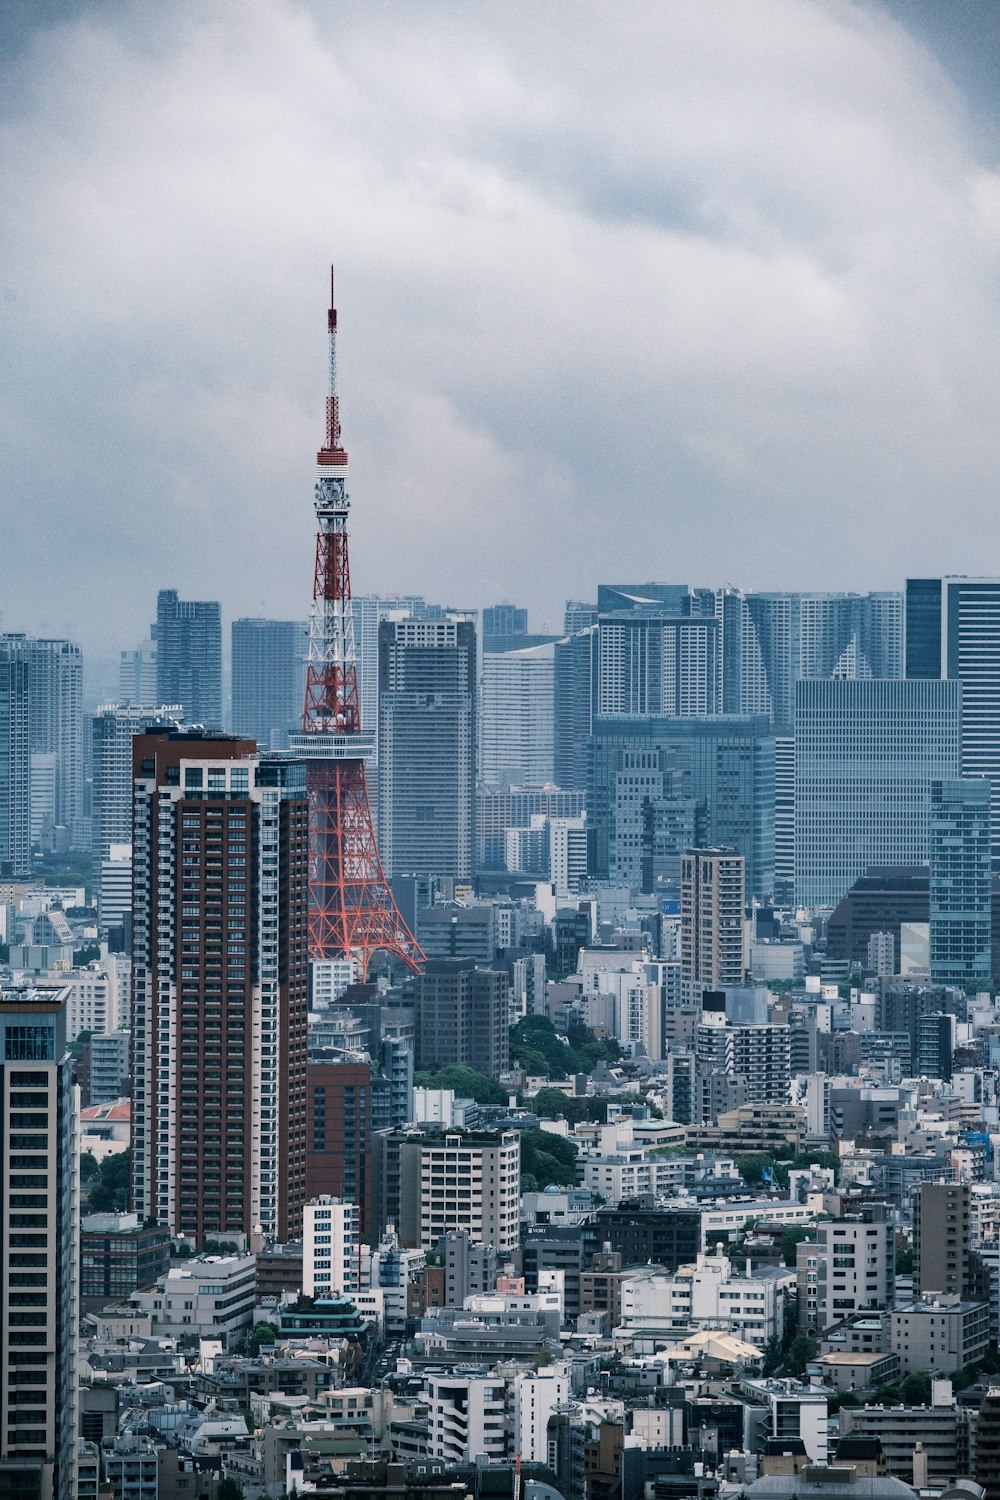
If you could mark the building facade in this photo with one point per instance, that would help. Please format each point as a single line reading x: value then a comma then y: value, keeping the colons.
x: 39, y: 1251
x: 269, y: 679
x: 866, y: 753
x: 219, y: 986
x: 427, y: 746
x: 189, y: 657
x: 517, y: 716
x: 462, y: 1016
x: 713, y: 926
x: 15, y: 757
x: 113, y: 728
x: 460, y: 1180
x: 960, y: 857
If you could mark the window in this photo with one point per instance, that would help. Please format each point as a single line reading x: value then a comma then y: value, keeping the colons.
x: 30, y: 1043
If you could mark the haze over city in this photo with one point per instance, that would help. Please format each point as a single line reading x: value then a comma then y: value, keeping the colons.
x: 703, y: 291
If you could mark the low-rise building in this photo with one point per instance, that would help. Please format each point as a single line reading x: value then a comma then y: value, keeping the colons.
x: 946, y: 1334
x: 208, y: 1296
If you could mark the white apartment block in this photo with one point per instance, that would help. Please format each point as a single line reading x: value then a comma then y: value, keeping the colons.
x: 466, y: 1417
x: 467, y: 1180
x: 93, y: 998
x: 115, y: 898
x: 536, y: 1395
x: 330, y: 1243
x: 708, y: 1294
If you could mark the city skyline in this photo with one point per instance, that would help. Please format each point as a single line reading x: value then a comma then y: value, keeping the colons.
x: 724, y: 356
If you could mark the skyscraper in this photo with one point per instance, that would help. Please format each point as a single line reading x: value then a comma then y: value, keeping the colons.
x: 189, y: 657
x: 713, y: 924
x: 56, y: 719
x: 504, y: 620
x: 960, y: 882
x: 220, y: 900
x: 866, y: 753
x: 787, y: 637
x: 941, y: 1239
x: 427, y: 746
x: 726, y: 764
x: 112, y: 730
x: 516, y: 723
x: 15, y: 757
x: 574, y: 671
x: 953, y: 630
x: 269, y: 675
x: 39, y: 1228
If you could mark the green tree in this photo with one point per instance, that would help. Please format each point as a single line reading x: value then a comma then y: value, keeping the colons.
x: 466, y: 1083
x: 546, y: 1159
x: 790, y: 1240
x: 88, y: 1166
x: 109, y: 1193
x: 915, y: 1389
x: 904, y: 1260
x: 800, y: 1352
x: 228, y: 1489
x: 552, y: 1104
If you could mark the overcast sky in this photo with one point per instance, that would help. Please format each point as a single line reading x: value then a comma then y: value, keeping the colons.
x: 704, y: 291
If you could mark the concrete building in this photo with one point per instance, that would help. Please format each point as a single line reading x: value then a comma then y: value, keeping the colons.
x: 219, y: 997
x: 941, y: 1238
x: 114, y: 902
x: 208, y: 1296
x: 466, y: 1416
x: 537, y: 1394
x: 339, y: 1132
x: 113, y: 728
x: 427, y: 746
x: 713, y: 928
x: 39, y: 1251
x: 866, y: 753
x: 118, y: 1256
x: 455, y: 929
x: 268, y: 666
x: 331, y: 1240
x: 462, y: 1016
x: 109, y: 1066
x: 189, y: 657
x: 55, y: 692
x: 855, y: 1266
x: 462, y: 1180
x: 944, y: 1334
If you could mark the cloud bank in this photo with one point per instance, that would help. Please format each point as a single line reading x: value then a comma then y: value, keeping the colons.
x: 705, y: 291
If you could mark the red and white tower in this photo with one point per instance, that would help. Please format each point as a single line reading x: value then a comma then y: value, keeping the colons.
x: 352, y: 913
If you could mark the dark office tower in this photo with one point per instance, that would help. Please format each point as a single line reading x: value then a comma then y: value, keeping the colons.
x: 39, y: 1227
x: 189, y: 657
x: 504, y: 620
x: 269, y: 676
x: 463, y: 1016
x: 56, y: 717
x: 960, y: 883
x: 15, y: 757
x: 941, y: 1238
x: 573, y: 691
x: 427, y: 746
x: 220, y: 902
x: 953, y: 630
x: 935, y: 1049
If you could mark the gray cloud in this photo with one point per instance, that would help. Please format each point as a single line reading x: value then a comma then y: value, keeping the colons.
x: 704, y: 291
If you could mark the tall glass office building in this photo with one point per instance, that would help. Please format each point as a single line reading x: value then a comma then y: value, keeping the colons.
x: 866, y: 753
x: 953, y: 631
x: 725, y: 763
x: 960, y: 882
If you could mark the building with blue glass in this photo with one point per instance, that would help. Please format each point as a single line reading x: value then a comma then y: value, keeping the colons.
x: 960, y: 882
x: 866, y: 753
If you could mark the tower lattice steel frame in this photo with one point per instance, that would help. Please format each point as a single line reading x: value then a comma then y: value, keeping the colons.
x: 351, y: 909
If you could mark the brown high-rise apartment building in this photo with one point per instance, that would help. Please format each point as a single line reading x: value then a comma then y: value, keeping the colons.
x: 941, y: 1236
x: 220, y: 896
x: 339, y: 1134
x: 713, y: 900
x: 462, y: 1016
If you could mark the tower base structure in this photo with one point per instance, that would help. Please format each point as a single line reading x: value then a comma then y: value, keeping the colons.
x: 352, y: 913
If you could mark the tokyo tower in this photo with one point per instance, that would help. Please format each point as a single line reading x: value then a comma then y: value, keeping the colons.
x: 352, y: 913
